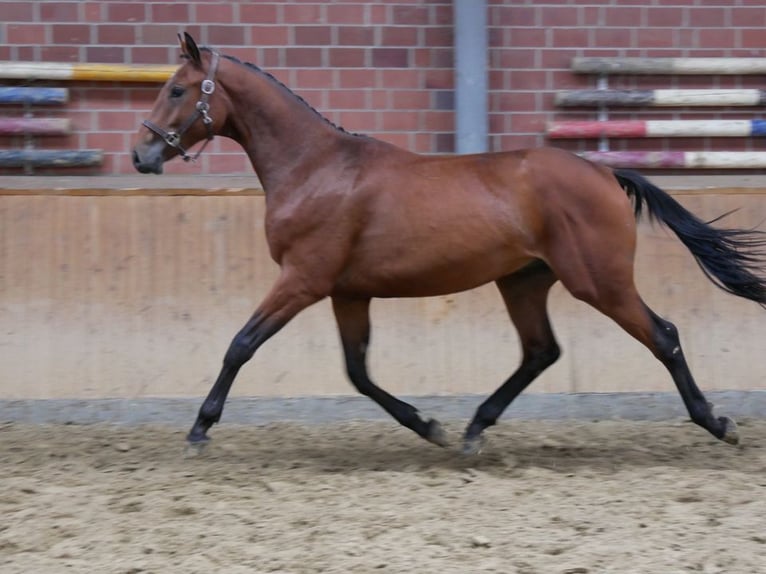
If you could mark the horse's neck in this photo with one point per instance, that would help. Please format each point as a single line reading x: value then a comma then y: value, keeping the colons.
x: 279, y: 132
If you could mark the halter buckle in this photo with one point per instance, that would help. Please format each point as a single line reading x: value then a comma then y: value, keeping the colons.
x: 208, y: 87
x: 173, y: 139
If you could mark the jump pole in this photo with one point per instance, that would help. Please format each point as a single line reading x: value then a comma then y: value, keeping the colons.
x: 656, y: 128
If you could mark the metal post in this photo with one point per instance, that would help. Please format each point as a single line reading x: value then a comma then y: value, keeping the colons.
x: 470, y: 17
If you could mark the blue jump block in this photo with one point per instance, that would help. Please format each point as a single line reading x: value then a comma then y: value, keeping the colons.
x: 37, y: 96
x: 50, y: 158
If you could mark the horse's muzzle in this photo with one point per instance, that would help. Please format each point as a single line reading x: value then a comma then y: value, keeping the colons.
x: 147, y: 160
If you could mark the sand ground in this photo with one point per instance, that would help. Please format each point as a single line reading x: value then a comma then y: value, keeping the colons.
x: 574, y: 497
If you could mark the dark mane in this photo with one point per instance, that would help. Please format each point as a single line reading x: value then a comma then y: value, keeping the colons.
x: 284, y: 87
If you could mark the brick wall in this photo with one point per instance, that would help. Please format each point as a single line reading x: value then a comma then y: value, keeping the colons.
x: 381, y: 67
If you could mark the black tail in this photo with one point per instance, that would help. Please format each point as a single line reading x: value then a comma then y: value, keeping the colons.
x: 733, y: 259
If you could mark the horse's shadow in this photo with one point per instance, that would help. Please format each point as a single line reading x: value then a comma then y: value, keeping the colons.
x: 503, y: 454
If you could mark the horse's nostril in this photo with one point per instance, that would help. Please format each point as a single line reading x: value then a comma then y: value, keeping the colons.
x: 136, y: 159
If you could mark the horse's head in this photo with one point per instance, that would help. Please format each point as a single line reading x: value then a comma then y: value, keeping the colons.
x: 186, y: 112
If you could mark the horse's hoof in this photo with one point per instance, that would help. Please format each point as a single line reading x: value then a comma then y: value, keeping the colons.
x: 473, y: 445
x: 730, y: 432
x: 194, y: 449
x: 195, y: 445
x: 436, y: 434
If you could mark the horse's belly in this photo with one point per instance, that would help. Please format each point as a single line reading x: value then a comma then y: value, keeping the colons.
x: 413, y: 276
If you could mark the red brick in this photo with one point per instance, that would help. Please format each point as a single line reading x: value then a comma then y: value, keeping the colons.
x: 562, y: 16
x: 219, y: 35
x: 752, y: 38
x: 570, y: 37
x: 258, y: 13
x: 444, y: 143
x: 345, y: 13
x: 58, y: 12
x: 717, y: 37
x: 312, y: 35
x: 18, y: 12
x: 307, y: 78
x: 378, y: 15
x: 303, y: 14
x: 356, y: 78
x: 169, y: 12
x: 27, y: 34
x: 106, y: 54
x: 356, y: 36
x: 439, y: 79
x: 390, y: 57
x: 398, y: 78
x: 116, y: 121
x: 56, y: 53
x: 347, y: 99
x: 438, y: 37
x: 529, y: 37
x: 303, y: 57
x: 108, y: 141
x: 442, y: 15
x: 71, y: 34
x: 126, y: 12
x: 664, y: 17
x: 515, y: 16
x: 622, y: 16
x: 214, y: 12
x: 269, y: 35
x: 399, y: 36
x: 748, y: 17
x: 152, y: 55
x: 346, y: 58
x: 709, y: 17
x: 525, y: 80
x: 116, y: 34
x: 411, y: 100
x: 356, y: 121
x: 528, y: 123
x: 655, y: 37
x: 436, y: 121
x: 412, y: 15
x: 613, y: 37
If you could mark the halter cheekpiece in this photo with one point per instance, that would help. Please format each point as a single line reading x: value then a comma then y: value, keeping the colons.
x: 201, y: 110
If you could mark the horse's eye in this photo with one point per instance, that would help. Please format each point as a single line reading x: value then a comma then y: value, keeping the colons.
x: 177, y: 91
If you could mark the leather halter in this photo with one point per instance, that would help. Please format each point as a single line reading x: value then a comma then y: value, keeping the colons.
x: 173, y: 138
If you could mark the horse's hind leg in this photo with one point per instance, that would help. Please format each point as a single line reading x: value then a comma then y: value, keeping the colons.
x: 353, y: 318
x: 610, y: 289
x: 668, y: 350
x: 525, y: 294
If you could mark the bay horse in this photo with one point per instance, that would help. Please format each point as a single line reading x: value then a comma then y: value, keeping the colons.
x: 352, y: 218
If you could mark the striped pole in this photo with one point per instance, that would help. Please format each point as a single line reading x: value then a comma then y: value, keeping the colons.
x: 676, y: 66
x: 656, y: 129
x: 679, y: 159
x: 35, y: 96
x: 79, y: 71
x: 660, y: 98
x: 35, y: 126
x: 50, y: 158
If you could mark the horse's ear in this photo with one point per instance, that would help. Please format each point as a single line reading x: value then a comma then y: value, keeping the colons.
x: 189, y: 48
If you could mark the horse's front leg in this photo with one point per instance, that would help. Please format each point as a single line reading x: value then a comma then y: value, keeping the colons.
x: 353, y: 320
x: 290, y: 295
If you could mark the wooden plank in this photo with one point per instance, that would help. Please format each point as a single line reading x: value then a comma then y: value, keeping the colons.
x: 684, y: 66
x: 35, y: 126
x: 34, y: 96
x: 50, y: 158
x: 661, y: 98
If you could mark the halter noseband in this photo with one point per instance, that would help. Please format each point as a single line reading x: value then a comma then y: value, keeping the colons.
x: 173, y: 138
